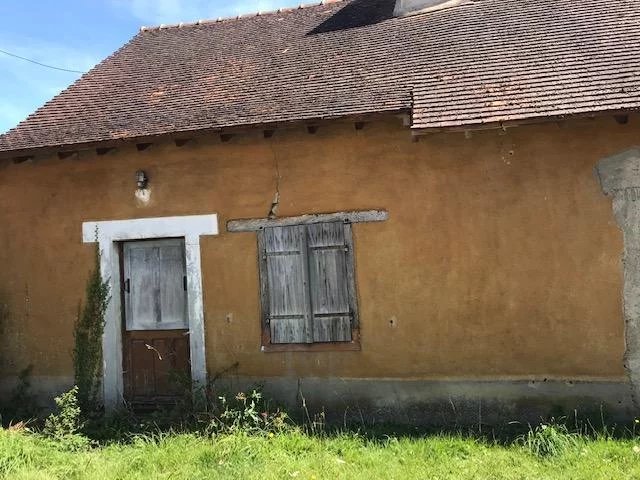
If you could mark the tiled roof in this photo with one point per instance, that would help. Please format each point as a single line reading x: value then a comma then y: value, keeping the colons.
x: 526, y: 59
x: 479, y: 62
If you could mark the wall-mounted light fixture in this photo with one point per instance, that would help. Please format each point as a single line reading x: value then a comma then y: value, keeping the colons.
x: 141, y: 179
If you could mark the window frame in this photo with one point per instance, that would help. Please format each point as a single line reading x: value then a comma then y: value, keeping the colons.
x: 354, y: 343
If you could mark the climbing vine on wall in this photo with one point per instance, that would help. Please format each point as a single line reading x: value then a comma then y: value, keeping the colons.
x: 87, y: 351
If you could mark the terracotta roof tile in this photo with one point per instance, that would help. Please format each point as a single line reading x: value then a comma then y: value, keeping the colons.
x: 482, y: 61
x: 527, y: 59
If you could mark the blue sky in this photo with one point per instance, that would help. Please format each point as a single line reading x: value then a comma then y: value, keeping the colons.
x: 77, y: 34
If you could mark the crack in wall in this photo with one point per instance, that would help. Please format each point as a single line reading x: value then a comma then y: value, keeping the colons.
x: 273, y: 211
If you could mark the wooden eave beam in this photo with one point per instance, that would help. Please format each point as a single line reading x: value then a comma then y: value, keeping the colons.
x: 621, y: 119
x: 256, y: 224
x: 22, y: 159
x: 104, y: 150
x: 143, y: 146
x: 64, y: 155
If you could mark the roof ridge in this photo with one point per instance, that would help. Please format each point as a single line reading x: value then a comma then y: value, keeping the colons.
x: 239, y: 17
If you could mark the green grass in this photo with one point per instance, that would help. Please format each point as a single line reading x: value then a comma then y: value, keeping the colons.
x: 294, y: 454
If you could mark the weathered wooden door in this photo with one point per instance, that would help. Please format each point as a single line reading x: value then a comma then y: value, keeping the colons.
x: 155, y: 336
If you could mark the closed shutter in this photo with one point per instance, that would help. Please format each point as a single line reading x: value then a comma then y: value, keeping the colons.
x: 155, y: 297
x: 287, y: 292
x: 329, y: 281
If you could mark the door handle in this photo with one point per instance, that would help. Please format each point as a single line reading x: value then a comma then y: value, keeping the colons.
x: 127, y: 285
x: 184, y: 282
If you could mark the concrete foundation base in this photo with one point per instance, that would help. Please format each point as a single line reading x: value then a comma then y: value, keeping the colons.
x: 420, y: 402
x: 415, y: 402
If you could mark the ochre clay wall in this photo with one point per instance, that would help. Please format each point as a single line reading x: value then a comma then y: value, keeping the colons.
x: 501, y: 258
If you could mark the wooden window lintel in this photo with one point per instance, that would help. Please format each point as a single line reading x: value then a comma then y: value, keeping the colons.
x: 257, y: 224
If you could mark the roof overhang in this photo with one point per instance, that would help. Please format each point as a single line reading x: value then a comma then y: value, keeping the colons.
x: 108, y: 144
x: 64, y: 150
x: 620, y: 116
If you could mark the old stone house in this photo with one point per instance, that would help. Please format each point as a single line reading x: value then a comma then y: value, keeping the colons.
x: 418, y: 210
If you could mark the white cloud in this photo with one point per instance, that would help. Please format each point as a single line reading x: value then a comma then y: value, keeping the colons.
x: 155, y: 12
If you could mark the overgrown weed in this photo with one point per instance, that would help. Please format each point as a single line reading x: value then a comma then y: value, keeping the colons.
x: 65, y: 426
x: 549, y: 439
x: 87, y: 333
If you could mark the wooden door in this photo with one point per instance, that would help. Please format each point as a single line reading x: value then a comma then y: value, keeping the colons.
x: 155, y: 339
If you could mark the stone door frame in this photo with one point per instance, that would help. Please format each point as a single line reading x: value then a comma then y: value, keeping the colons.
x: 108, y: 234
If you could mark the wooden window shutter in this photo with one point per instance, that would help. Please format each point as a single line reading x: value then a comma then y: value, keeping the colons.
x: 285, y: 289
x: 331, y: 281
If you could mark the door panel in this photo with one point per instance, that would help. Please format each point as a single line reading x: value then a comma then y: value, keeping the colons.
x: 142, y: 381
x: 172, y: 285
x: 157, y: 367
x: 154, y: 281
x: 142, y: 277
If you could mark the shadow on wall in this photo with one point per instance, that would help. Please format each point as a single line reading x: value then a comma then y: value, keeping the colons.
x: 358, y: 13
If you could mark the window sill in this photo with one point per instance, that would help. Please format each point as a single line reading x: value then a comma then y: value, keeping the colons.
x: 352, y: 346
